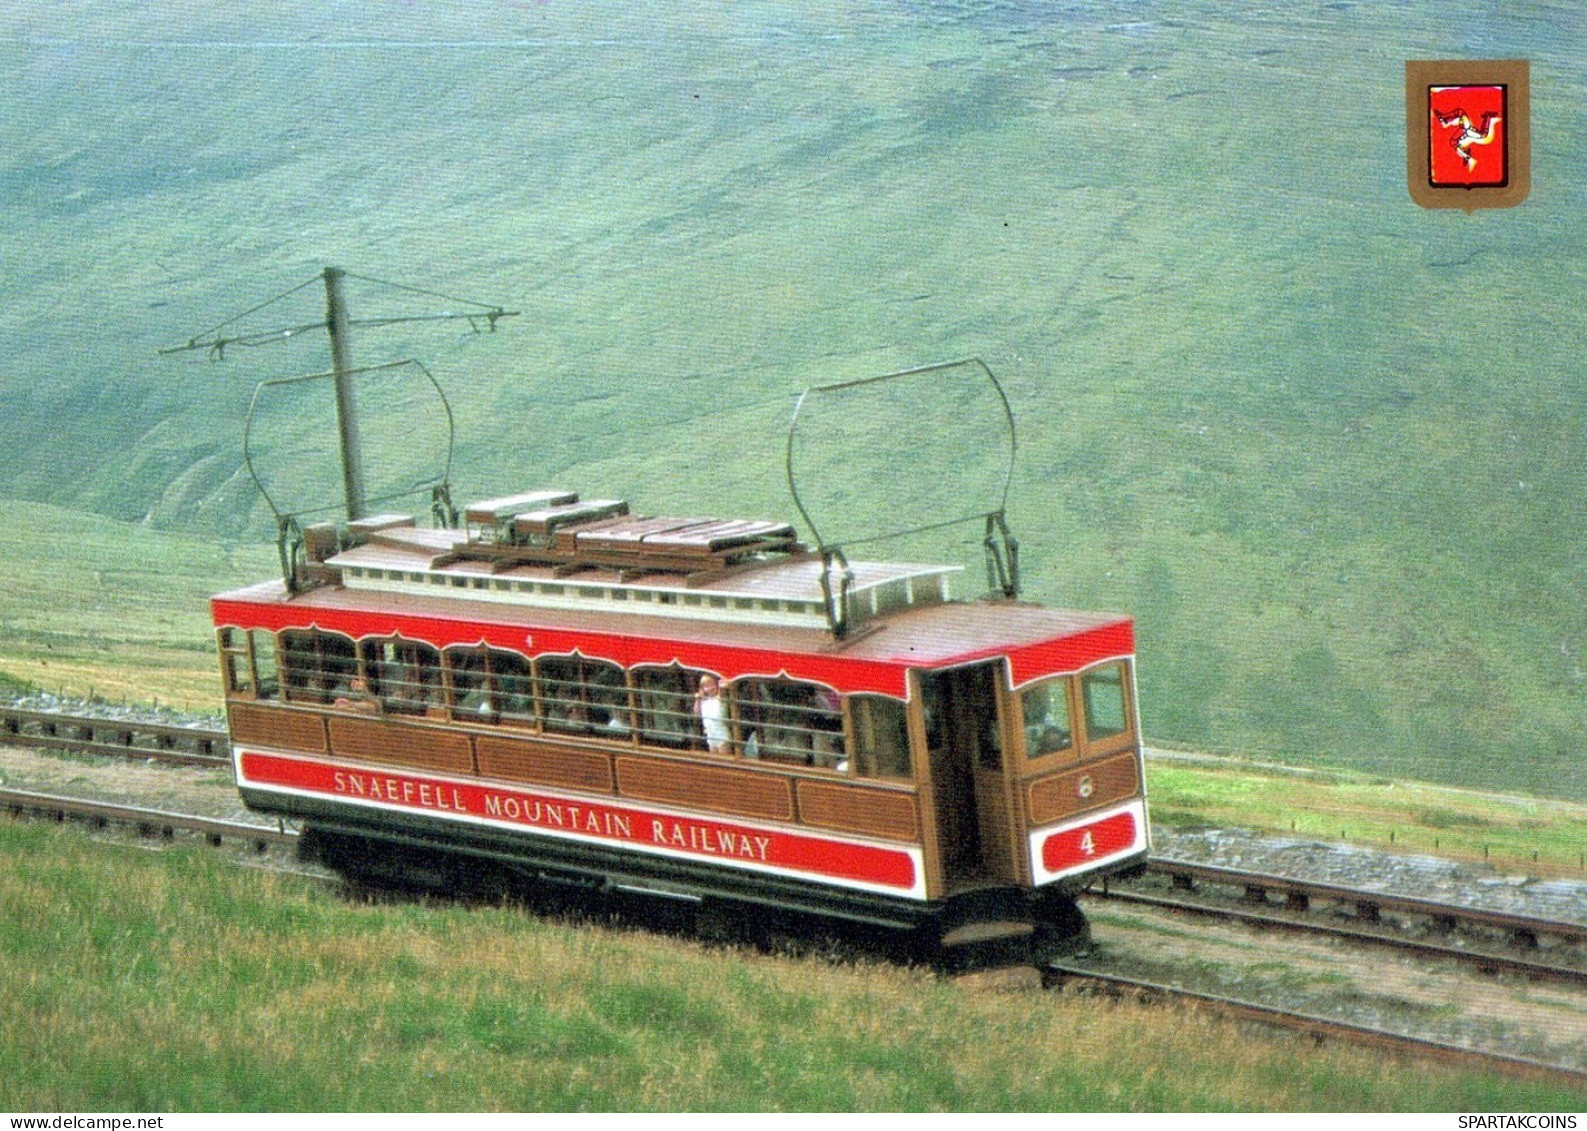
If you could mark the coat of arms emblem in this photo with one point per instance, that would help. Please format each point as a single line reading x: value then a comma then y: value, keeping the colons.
x: 1466, y: 133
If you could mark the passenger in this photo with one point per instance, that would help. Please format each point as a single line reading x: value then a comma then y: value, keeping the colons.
x: 576, y: 717
x: 475, y: 706
x: 826, y: 738
x: 828, y: 751
x: 712, y: 711
x: 1052, y: 739
x: 358, y: 699
x: 786, y: 741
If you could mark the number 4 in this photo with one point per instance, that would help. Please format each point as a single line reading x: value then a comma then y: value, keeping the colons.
x: 1087, y: 844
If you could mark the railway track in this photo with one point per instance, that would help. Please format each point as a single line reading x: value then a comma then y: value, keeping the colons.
x: 1490, y: 940
x: 116, y: 738
x: 147, y: 822
x: 1322, y: 1027
x: 1264, y: 900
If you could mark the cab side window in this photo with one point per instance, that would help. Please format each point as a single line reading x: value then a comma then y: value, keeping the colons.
x: 1048, y: 728
x: 236, y: 662
x: 262, y: 644
x: 1102, y: 695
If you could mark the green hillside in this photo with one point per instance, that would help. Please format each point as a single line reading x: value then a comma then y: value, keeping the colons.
x: 1327, y: 446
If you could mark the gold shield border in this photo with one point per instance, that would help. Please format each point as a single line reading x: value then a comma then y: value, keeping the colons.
x: 1514, y: 75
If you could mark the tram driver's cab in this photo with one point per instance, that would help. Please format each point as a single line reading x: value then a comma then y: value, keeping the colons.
x: 1002, y: 765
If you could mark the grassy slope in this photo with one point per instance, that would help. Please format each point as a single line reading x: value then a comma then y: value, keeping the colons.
x: 1322, y: 443
x: 98, y: 607
x: 175, y: 982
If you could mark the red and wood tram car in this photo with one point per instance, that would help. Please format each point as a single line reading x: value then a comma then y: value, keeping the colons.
x: 579, y: 693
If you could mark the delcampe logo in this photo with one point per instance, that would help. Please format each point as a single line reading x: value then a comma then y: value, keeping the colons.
x: 1467, y: 133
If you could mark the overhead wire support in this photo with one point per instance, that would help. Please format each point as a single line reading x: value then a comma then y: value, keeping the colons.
x: 217, y: 346
x: 338, y: 324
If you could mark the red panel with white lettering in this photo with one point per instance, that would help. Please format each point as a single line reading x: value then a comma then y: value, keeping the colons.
x: 655, y: 831
x: 1085, y: 844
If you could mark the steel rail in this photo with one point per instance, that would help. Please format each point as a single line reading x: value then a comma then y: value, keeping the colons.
x: 116, y: 738
x: 1321, y: 1026
x: 1369, y: 905
x: 161, y: 822
x: 216, y: 832
x: 1485, y: 960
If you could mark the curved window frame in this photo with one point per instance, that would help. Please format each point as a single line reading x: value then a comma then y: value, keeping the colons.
x: 495, y: 687
x: 331, y: 668
x: 1062, y: 755
x: 404, y: 674
x: 1084, y: 745
x: 789, y: 722
x: 577, y: 702
x: 783, y: 722
x: 673, y: 726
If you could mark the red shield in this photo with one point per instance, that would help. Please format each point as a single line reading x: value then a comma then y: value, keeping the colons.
x: 1466, y: 135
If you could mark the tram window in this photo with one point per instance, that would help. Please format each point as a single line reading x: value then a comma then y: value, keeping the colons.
x: 403, y: 674
x: 881, y: 737
x: 263, y: 644
x: 468, y: 673
x: 234, y: 661
x: 582, y: 696
x: 1048, y: 728
x: 787, y: 720
x: 490, y: 685
x: 665, y: 701
x: 316, y: 667
x: 1102, y: 694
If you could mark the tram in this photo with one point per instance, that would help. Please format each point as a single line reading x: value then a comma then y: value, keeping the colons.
x: 575, y: 692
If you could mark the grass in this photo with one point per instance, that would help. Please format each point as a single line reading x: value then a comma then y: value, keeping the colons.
x: 174, y: 981
x: 1526, y: 835
x: 113, y: 609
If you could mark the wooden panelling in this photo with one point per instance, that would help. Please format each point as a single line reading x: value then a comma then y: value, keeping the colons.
x: 718, y: 789
x: 254, y: 724
x: 1100, y: 783
x: 856, y: 809
x: 399, y: 744
x: 543, y: 763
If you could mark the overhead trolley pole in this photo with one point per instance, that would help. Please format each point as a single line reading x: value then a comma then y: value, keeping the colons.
x: 338, y: 324
x: 346, y: 411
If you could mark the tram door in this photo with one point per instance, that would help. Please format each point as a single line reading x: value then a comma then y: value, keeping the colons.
x: 965, y: 750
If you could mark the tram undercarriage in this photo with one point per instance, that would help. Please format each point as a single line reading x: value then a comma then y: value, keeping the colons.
x: 978, y: 929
